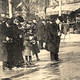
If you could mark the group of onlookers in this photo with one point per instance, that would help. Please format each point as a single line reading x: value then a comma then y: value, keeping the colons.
x: 11, y: 42
x: 19, y: 39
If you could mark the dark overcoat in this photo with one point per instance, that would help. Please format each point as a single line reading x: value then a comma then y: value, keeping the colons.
x: 51, y: 37
x: 35, y: 48
x: 40, y: 31
x: 3, y: 50
x: 15, y: 47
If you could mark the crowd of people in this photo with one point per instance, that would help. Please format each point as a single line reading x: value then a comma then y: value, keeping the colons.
x: 20, y: 39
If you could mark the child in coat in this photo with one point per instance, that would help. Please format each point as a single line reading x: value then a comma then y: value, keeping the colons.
x: 27, y: 52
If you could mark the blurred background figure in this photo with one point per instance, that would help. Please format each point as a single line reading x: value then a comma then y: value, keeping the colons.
x: 40, y: 33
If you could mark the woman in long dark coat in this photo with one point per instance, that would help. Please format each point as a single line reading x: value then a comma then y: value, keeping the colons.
x: 35, y: 48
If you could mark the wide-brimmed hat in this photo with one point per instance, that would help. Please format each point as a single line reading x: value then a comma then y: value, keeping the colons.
x: 19, y: 18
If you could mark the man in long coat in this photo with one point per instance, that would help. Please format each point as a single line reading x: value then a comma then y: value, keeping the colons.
x: 3, y: 50
x: 52, y: 39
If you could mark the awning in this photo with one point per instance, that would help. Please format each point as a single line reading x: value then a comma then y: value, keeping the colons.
x: 66, y: 9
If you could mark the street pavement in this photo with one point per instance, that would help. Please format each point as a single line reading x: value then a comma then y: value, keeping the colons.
x: 68, y: 68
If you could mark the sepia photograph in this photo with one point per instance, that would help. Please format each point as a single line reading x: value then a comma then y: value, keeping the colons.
x: 39, y: 39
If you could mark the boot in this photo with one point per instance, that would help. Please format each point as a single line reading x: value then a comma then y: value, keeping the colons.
x: 30, y: 59
x: 37, y: 57
x: 56, y: 57
x: 52, y: 56
x: 26, y: 57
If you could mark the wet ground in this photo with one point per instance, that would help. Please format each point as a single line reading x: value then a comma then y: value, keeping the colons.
x: 68, y: 68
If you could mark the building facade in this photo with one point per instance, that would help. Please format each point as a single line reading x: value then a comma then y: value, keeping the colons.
x: 36, y: 7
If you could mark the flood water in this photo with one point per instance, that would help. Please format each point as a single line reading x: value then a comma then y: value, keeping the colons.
x: 68, y: 68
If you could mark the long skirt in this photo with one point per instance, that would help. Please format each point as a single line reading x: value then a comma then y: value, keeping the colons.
x: 35, y: 48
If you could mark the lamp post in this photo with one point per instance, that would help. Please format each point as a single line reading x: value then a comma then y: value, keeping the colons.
x: 10, y: 8
x: 60, y: 7
x: 60, y: 3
